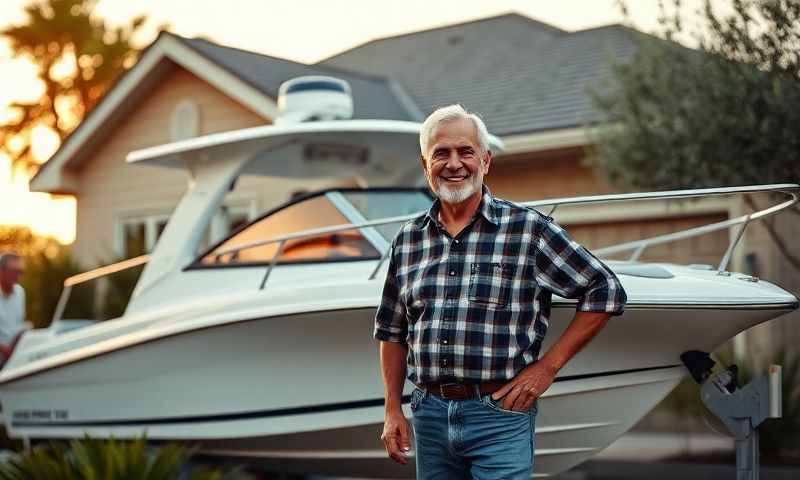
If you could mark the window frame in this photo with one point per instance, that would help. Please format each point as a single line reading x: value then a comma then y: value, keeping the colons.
x: 149, y: 218
x: 246, y: 205
x: 198, y: 265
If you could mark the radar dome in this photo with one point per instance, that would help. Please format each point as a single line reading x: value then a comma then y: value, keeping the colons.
x: 314, y: 98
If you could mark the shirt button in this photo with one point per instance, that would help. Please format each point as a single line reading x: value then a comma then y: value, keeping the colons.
x: 452, y: 272
x: 444, y: 341
x: 457, y: 241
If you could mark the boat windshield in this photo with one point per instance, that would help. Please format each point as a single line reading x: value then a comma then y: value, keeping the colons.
x: 374, y: 205
x: 325, y: 209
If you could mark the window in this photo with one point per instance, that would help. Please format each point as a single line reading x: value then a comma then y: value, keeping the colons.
x: 314, y: 212
x: 134, y: 234
x: 138, y: 235
x: 374, y: 205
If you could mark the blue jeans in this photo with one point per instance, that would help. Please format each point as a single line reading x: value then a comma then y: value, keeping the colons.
x: 471, y: 439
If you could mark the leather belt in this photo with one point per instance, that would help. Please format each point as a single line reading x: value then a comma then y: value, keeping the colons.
x: 462, y: 391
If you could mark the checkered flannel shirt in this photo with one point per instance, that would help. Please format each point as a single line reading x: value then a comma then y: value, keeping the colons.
x: 476, y: 307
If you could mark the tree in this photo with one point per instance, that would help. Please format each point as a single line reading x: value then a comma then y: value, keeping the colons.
x: 78, y: 56
x: 719, y: 115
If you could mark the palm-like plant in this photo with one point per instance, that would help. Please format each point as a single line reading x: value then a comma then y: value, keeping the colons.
x: 90, y: 54
x: 91, y: 459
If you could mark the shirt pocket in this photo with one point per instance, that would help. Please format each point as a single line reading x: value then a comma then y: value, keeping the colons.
x: 491, y: 283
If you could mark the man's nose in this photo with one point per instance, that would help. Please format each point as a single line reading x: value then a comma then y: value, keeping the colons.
x: 454, y: 161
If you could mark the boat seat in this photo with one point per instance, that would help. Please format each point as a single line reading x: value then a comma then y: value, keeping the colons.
x: 646, y: 271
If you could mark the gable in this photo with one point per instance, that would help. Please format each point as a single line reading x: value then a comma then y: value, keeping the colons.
x: 110, y: 190
x: 249, y: 78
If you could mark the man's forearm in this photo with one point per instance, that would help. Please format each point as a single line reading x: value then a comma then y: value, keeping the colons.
x: 393, y: 369
x: 584, y: 327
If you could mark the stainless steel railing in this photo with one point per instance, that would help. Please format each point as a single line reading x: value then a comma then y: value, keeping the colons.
x: 637, y: 247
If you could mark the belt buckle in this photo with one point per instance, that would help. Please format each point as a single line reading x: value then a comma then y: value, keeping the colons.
x: 456, y: 390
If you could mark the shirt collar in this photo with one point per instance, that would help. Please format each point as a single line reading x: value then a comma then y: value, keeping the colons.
x: 487, y: 208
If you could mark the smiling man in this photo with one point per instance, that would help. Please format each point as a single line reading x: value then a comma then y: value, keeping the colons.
x: 465, y: 308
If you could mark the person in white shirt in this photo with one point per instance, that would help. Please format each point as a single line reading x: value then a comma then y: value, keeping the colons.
x: 12, y: 303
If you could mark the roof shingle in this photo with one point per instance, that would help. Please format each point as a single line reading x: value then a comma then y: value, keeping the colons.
x: 520, y: 75
x: 373, y: 96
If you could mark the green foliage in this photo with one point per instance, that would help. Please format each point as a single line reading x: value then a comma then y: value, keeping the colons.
x: 725, y: 114
x: 64, y: 33
x: 23, y: 241
x: 119, y: 290
x: 91, y: 459
x: 43, y: 281
x: 47, y: 265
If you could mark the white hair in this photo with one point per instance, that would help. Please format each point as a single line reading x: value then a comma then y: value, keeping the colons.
x: 449, y: 114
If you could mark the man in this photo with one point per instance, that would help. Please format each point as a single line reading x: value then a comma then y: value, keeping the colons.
x: 465, y: 308
x: 12, y: 304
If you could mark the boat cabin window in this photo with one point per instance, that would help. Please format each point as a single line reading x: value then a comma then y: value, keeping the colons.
x: 377, y: 204
x: 314, y: 212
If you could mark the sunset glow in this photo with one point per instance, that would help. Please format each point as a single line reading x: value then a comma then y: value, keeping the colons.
x: 45, y: 214
x: 302, y: 31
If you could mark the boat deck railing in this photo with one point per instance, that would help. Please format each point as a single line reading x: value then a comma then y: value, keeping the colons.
x: 792, y: 191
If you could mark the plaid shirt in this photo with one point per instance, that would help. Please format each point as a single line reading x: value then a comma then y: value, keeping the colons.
x: 476, y: 307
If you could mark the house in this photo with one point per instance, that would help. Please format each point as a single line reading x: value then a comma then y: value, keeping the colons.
x: 528, y: 80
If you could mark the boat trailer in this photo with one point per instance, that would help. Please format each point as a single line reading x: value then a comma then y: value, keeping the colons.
x: 741, y: 409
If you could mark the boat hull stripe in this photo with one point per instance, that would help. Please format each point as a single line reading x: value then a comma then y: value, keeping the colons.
x: 330, y: 407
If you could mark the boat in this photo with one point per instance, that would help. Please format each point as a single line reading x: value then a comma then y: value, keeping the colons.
x: 259, y: 349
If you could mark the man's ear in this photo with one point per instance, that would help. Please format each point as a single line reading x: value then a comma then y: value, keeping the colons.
x: 487, y: 162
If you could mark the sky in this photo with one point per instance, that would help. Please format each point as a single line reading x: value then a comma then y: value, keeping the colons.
x: 301, y: 30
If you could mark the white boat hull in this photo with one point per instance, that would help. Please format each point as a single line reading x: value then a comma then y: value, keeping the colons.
x: 303, y: 392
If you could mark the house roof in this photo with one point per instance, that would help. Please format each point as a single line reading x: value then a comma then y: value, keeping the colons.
x: 250, y: 78
x: 519, y: 74
x: 374, y: 96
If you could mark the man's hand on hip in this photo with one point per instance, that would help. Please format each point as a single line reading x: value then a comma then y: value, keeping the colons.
x: 529, y: 384
x: 396, y: 436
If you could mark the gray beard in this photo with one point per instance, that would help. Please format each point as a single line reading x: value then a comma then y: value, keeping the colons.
x: 460, y: 194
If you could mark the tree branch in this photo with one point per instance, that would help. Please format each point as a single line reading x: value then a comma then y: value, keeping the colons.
x: 773, y: 233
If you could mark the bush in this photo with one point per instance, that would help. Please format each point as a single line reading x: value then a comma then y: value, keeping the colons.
x: 47, y: 265
x: 119, y: 289
x: 43, y: 281
x: 91, y: 459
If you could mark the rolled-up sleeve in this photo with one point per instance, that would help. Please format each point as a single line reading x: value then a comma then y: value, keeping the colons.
x: 390, y: 320
x: 566, y: 268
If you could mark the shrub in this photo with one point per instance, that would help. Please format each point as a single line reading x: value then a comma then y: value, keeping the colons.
x: 92, y: 459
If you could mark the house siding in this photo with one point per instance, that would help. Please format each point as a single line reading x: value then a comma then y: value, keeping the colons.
x: 547, y: 174
x: 111, y: 189
x: 565, y: 173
